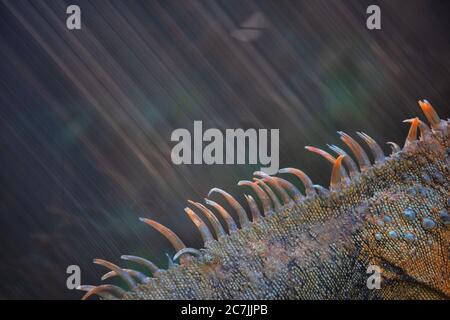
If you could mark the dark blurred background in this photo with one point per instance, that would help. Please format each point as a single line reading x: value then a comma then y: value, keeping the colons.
x: 86, y: 115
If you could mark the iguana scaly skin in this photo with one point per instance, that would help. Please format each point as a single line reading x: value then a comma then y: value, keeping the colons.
x: 392, y: 215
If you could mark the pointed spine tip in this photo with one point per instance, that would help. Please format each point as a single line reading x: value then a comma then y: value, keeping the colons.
x: 261, y: 174
x: 412, y: 133
x: 430, y: 114
x: 212, y: 191
x: 200, y: 225
x: 336, y: 175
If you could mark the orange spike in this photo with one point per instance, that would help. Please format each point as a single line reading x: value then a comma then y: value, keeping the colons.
x: 351, y: 165
x: 267, y: 208
x: 358, y: 151
x: 124, y: 275
x: 412, y: 134
x: 303, y: 177
x: 256, y: 214
x: 231, y: 224
x: 276, y: 203
x: 424, y: 129
x: 321, y: 152
x: 200, y: 224
x: 276, y: 185
x: 142, y: 278
x: 166, y: 232
x: 430, y: 114
x: 292, y: 190
x: 374, y: 147
x: 242, y: 214
x: 143, y: 262
x: 218, y: 229
x: 101, y: 289
x: 330, y: 159
x: 336, y: 173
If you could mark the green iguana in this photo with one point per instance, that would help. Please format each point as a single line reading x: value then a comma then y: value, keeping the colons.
x: 391, y: 216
